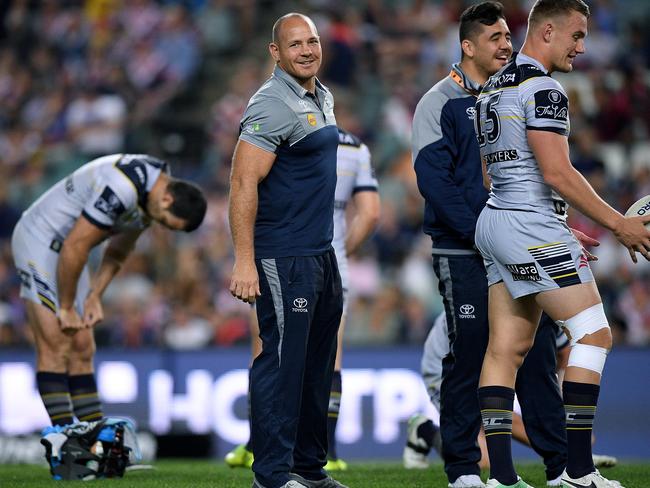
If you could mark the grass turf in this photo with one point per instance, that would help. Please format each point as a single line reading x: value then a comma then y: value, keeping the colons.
x: 192, y: 473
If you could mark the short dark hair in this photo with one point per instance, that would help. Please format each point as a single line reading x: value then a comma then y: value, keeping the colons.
x: 189, y: 203
x: 486, y: 13
x: 544, y: 9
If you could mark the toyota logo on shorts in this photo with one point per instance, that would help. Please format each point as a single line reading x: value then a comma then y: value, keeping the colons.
x: 300, y: 302
x: 467, y: 309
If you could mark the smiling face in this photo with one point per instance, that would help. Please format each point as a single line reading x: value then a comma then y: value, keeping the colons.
x: 567, y: 41
x: 492, y: 48
x: 297, y: 49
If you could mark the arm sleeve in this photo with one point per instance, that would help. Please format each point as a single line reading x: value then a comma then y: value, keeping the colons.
x: 546, y: 105
x: 365, y: 178
x: 434, y: 155
x: 113, y: 195
x: 267, y: 123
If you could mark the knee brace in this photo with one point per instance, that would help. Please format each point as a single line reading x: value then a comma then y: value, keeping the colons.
x: 586, y: 322
x: 588, y: 357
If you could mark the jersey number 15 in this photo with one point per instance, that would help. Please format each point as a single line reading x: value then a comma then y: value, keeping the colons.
x: 491, y: 130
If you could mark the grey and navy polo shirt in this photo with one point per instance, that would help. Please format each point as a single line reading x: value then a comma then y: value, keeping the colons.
x: 296, y: 199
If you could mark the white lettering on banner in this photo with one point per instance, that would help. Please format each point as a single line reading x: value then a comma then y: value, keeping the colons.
x: 21, y: 409
x: 358, y: 383
x: 192, y: 407
x: 208, y: 404
x: 398, y: 394
x: 117, y: 382
x: 228, y: 388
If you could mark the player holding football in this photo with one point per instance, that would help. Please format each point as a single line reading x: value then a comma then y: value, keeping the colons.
x: 533, y: 261
x: 355, y: 184
x: 448, y: 168
x: 114, y: 197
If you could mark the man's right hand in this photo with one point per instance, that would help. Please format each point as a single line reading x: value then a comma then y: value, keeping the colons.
x: 245, y: 282
x: 632, y: 233
x: 69, y: 321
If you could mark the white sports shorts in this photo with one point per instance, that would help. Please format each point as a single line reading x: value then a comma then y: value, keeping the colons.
x: 530, y: 252
x: 36, y: 258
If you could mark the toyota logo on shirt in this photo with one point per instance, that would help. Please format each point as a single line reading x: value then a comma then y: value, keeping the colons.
x: 467, y: 311
x: 299, y: 305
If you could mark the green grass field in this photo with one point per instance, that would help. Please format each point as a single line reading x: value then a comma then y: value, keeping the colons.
x: 187, y: 473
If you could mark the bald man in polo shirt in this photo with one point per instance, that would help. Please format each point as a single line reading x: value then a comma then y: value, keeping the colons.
x: 281, y: 217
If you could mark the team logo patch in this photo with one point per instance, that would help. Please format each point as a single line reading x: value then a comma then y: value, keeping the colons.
x: 466, y: 311
x: 311, y: 118
x: 299, y: 305
x: 551, y: 104
x: 524, y: 272
x: 109, y: 204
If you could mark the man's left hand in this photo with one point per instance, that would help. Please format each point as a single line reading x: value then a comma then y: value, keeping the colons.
x: 585, y: 241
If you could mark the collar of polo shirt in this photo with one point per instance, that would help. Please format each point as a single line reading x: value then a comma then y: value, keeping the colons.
x: 293, y: 84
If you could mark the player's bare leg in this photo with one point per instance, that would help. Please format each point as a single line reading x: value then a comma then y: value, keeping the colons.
x: 334, y: 463
x: 81, y: 377
x: 580, y: 308
x: 52, y: 354
x: 512, y: 331
x: 242, y: 455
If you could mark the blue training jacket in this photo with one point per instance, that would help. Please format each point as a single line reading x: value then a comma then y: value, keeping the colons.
x: 448, y: 163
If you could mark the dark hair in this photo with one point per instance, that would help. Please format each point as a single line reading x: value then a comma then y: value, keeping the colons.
x: 189, y: 203
x: 544, y: 9
x: 486, y: 13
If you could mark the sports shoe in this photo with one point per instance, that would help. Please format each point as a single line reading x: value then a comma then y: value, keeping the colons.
x: 556, y: 482
x: 467, y: 481
x: 239, y: 457
x: 519, y: 484
x: 592, y: 480
x: 416, y: 450
x: 603, y: 461
x: 288, y: 484
x: 336, y: 465
x: 328, y: 482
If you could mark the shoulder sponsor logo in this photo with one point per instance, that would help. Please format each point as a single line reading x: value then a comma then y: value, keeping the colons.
x: 140, y: 172
x: 503, y: 79
x: 69, y: 185
x: 524, y: 272
x: 551, y: 104
x: 299, y: 305
x: 471, y: 112
x: 466, y: 311
x: 311, y: 118
x: 109, y: 204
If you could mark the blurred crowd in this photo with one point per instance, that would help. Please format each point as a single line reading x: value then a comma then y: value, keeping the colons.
x: 171, y: 78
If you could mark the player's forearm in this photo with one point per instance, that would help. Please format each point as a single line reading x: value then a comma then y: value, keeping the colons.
x: 359, y: 230
x: 72, y: 260
x: 107, y: 270
x: 242, y: 211
x: 577, y: 191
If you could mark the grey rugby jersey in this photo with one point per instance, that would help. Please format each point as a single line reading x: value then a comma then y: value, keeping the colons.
x: 520, y: 97
x: 354, y: 174
x: 110, y: 191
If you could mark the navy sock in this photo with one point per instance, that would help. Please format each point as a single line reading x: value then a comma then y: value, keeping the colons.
x: 85, y: 399
x: 580, y: 400
x: 496, y: 410
x: 333, y: 414
x: 53, y: 388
